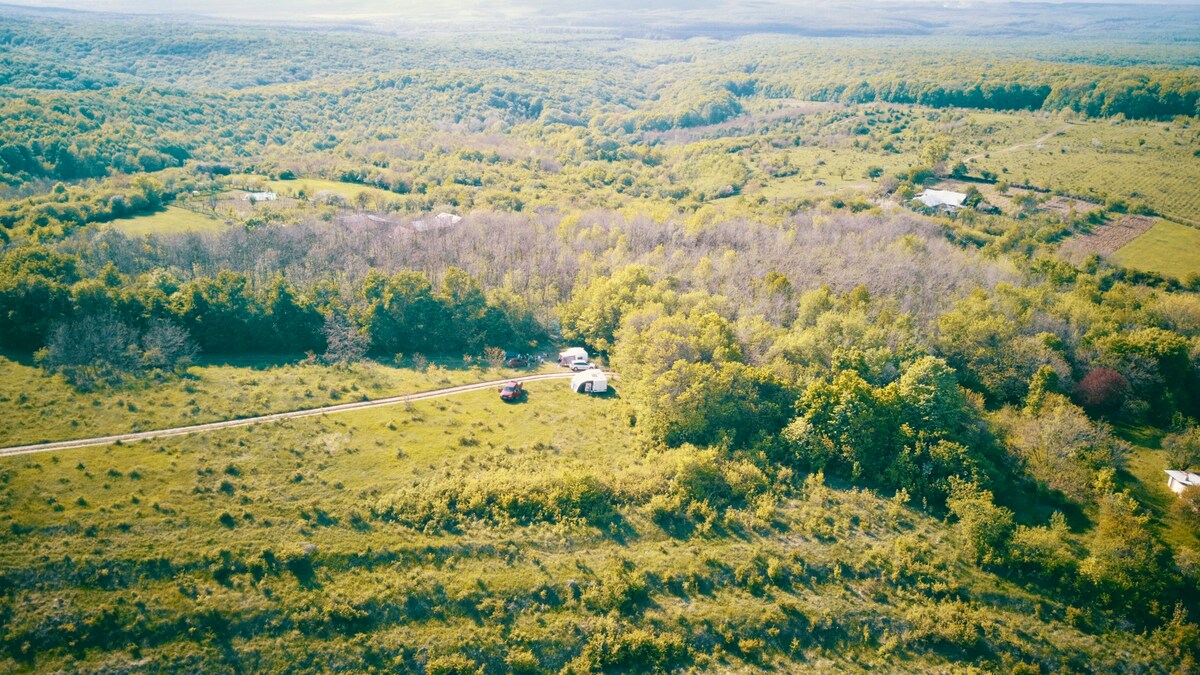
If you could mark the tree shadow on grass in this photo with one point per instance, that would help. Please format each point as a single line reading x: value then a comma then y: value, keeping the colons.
x: 269, y: 361
x: 617, y: 528
x: 18, y: 357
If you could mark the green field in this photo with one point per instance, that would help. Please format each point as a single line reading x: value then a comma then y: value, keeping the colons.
x: 464, y: 533
x: 42, y: 407
x: 1168, y: 248
x: 312, y: 187
x: 169, y: 220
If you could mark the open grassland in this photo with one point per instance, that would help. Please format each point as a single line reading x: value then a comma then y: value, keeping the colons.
x: 169, y: 220
x: 42, y: 407
x: 979, y: 133
x: 309, y: 188
x: 1139, y: 162
x: 469, y: 533
x: 1167, y: 248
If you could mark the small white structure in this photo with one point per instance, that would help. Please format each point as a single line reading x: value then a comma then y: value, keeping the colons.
x: 590, y: 382
x: 946, y: 200
x: 260, y: 197
x: 571, y: 356
x: 438, y: 222
x: 1179, y: 481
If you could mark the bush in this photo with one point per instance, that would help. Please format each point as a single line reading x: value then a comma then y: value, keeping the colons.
x: 1182, y: 448
x: 1102, y: 391
x: 619, y: 648
x: 454, y: 664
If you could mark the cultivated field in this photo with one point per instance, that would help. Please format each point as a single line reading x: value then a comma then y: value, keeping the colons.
x: 1106, y: 239
x: 1140, y: 162
x: 1167, y: 248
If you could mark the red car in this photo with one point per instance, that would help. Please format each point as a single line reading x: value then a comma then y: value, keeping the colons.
x: 517, y: 362
x: 513, y: 391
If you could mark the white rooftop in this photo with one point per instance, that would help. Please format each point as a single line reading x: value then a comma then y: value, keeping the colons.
x: 437, y: 222
x: 1184, y: 477
x: 593, y: 375
x: 936, y: 198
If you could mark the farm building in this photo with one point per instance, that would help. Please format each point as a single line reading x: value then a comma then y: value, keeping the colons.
x: 944, y: 200
x: 1178, y: 481
x: 572, y: 355
x: 589, y: 382
x: 260, y: 197
x: 438, y: 222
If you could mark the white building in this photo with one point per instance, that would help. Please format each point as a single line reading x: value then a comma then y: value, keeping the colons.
x: 260, y: 197
x: 438, y: 222
x: 946, y: 200
x: 1178, y: 481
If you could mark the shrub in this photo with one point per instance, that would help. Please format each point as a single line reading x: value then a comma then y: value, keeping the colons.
x: 453, y: 664
x: 618, y: 648
x: 1182, y: 448
x: 1102, y: 391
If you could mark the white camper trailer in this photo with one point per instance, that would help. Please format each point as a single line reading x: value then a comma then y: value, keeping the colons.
x: 572, y: 356
x: 590, y: 382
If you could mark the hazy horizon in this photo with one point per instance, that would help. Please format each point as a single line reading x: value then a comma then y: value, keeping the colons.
x: 326, y: 9
x: 683, y: 18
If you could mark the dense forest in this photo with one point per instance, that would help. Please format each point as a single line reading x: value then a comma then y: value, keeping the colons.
x: 849, y: 432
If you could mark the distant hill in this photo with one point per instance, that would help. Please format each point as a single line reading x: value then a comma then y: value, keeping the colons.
x: 707, y: 18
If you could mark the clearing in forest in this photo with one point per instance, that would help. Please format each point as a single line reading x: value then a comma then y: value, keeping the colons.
x: 168, y: 220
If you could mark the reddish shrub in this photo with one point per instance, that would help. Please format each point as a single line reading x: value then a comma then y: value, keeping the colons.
x: 1102, y: 391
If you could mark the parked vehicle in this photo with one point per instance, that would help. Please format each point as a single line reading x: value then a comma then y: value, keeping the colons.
x: 518, y: 361
x: 590, y: 382
x: 513, y: 391
x: 571, y: 356
x: 582, y: 365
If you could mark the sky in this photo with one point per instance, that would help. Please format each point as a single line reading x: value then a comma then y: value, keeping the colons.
x: 432, y: 7
x: 676, y: 17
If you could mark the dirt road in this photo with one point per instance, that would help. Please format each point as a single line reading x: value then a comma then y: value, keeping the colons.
x: 246, y: 421
x: 1019, y: 146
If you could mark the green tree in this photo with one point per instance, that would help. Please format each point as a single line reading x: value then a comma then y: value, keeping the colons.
x: 1183, y: 448
x: 987, y: 528
x: 1126, y: 567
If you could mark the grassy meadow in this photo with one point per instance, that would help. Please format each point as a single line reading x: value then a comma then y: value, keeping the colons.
x: 168, y: 220
x: 1169, y: 249
x: 466, y: 533
x: 44, y: 407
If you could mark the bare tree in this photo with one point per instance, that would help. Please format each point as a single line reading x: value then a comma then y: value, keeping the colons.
x: 167, y: 345
x: 344, y: 344
x: 92, y: 350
